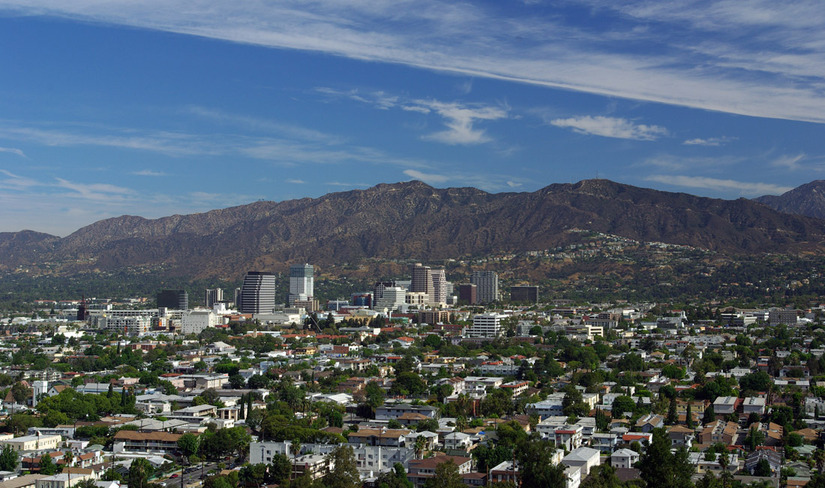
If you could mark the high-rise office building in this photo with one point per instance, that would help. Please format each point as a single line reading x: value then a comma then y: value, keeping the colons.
x: 438, y: 289
x: 433, y: 282
x: 173, y: 299
x: 420, y: 278
x: 213, y: 296
x: 526, y: 293
x: 392, y: 297
x: 378, y: 290
x: 487, y: 286
x: 301, y: 282
x: 468, y: 293
x: 257, y: 293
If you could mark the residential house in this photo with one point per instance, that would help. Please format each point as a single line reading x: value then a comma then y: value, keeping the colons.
x: 649, y: 422
x: 584, y: 458
x: 421, y: 470
x: 719, y: 431
x: 624, y: 458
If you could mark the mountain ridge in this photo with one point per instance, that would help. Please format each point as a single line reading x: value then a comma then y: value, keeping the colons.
x: 410, y: 221
x: 807, y: 200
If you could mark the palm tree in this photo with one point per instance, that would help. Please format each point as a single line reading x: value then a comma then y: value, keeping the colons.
x: 724, y: 461
x: 295, y: 448
x: 819, y: 459
x: 420, y: 444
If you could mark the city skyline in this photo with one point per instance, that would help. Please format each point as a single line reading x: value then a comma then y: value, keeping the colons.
x: 155, y: 109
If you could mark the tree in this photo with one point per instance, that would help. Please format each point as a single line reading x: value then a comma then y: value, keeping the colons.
x: 139, y: 473
x: 763, y: 468
x: 374, y: 395
x: 673, y: 371
x: 47, y: 465
x: 420, y: 445
x: 757, y: 381
x: 572, y: 403
x: 237, y: 381
x: 689, y: 423
x: 408, y: 383
x: 189, y: 443
x: 602, y: 422
x: 672, y: 417
x: 397, y: 478
x: 252, y: 475
x: 603, y: 476
x: 344, y: 473
x: 710, y: 415
x: 536, y: 468
x: 8, y: 459
x: 663, y: 469
x: 257, y: 381
x: 623, y: 404
x: 446, y: 476
x: 755, y: 437
x: 280, y: 469
x: 20, y: 392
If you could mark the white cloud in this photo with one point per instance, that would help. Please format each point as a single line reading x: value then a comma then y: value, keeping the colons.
x: 12, y: 150
x: 294, y: 181
x: 720, y: 185
x: 611, y: 127
x: 148, y: 172
x: 429, y: 178
x: 347, y: 185
x: 711, y: 141
x: 104, y: 192
x: 460, y: 119
x: 790, y: 163
x: 751, y: 57
x: 675, y: 163
x: 298, y: 145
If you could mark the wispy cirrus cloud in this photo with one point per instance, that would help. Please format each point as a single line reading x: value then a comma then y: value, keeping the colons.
x: 672, y: 162
x: 148, y: 172
x: 615, y: 127
x: 292, y: 145
x: 484, y: 181
x: 13, y: 150
x: 429, y: 178
x: 720, y: 185
x: 711, y: 141
x: 751, y: 57
x: 459, y: 118
x: 790, y: 163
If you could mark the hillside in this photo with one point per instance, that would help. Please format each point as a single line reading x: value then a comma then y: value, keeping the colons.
x: 410, y: 221
x: 807, y: 200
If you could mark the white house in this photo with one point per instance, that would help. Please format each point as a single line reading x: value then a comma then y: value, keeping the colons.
x: 624, y: 458
x: 584, y: 458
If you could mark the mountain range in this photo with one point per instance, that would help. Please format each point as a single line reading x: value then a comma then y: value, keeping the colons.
x: 808, y: 200
x: 414, y: 221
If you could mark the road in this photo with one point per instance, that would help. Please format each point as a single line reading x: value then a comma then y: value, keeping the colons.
x: 191, y: 476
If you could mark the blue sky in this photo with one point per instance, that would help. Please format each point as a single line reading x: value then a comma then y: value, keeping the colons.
x: 160, y: 107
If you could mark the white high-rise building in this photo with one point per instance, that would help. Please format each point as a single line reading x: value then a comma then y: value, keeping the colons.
x: 486, y: 286
x: 438, y: 287
x: 486, y: 325
x: 301, y: 282
x: 392, y: 298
